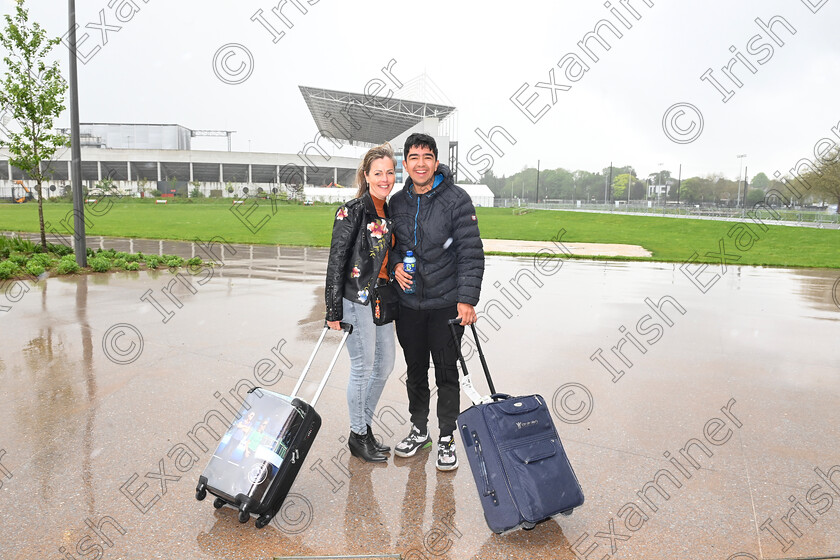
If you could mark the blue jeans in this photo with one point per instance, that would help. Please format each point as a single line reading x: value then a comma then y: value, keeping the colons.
x: 372, y: 352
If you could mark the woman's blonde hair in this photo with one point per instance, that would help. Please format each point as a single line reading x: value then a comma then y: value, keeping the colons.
x: 377, y: 152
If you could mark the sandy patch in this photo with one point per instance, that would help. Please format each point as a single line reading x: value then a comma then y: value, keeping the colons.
x: 581, y: 249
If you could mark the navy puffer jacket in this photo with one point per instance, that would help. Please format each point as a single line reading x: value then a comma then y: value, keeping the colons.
x: 441, y: 228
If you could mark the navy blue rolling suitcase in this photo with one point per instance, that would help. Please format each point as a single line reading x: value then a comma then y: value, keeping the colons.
x: 520, y: 468
x: 259, y: 457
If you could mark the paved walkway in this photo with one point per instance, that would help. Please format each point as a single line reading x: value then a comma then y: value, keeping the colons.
x: 701, y: 423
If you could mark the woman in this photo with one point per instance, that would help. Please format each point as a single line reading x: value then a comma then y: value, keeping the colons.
x: 361, y: 241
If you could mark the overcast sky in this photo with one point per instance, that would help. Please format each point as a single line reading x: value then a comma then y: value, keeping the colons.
x: 158, y: 67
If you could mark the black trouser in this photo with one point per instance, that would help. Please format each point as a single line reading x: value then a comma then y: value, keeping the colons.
x: 422, y: 333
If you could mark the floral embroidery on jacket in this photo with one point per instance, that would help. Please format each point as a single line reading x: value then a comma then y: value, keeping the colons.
x: 355, y: 272
x: 377, y: 228
x: 363, y: 295
x: 341, y: 214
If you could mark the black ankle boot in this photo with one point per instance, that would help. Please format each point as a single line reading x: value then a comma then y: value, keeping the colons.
x: 363, y: 448
x: 381, y: 447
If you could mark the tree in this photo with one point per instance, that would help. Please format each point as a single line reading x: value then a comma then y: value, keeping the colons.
x: 34, y: 94
x: 493, y: 183
x: 590, y: 185
x: 620, y: 185
x: 826, y: 179
x: 724, y: 190
x: 760, y: 181
x: 755, y: 196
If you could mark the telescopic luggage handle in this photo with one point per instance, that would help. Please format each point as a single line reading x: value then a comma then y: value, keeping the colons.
x: 347, y: 328
x: 466, y: 381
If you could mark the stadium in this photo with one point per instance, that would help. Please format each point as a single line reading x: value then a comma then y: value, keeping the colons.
x: 157, y: 160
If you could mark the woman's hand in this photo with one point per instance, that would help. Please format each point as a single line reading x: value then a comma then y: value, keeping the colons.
x: 334, y: 325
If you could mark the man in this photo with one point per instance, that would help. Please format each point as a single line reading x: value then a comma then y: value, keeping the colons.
x: 436, y: 220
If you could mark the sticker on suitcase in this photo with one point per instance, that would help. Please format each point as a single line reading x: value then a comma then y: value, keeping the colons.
x: 250, y: 454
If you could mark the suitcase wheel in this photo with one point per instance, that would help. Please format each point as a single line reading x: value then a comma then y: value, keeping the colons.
x: 262, y: 521
x: 567, y: 512
x: 244, y: 516
x: 200, y: 494
x: 218, y: 503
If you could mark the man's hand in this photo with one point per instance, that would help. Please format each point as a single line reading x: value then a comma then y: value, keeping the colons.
x: 403, y: 278
x: 467, y: 314
x: 334, y: 325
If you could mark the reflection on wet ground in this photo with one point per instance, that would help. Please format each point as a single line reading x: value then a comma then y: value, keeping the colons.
x: 700, y: 423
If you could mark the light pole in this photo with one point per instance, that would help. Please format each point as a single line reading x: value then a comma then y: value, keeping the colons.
x: 679, y: 185
x: 629, y: 182
x: 79, y: 240
x: 658, y: 181
x: 740, y: 165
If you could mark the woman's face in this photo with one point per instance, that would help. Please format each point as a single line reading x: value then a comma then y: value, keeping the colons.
x: 381, y: 177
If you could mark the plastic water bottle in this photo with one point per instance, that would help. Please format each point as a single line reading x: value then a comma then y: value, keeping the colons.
x: 410, y: 266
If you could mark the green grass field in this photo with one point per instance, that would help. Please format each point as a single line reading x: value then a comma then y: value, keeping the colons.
x: 669, y: 239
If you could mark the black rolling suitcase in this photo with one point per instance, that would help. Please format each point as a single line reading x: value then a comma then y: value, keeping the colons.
x: 520, y: 468
x: 258, y: 458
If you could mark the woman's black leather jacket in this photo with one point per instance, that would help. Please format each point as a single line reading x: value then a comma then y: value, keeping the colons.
x: 360, y: 241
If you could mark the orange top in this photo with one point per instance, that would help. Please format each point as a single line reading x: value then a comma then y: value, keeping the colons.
x: 380, y: 211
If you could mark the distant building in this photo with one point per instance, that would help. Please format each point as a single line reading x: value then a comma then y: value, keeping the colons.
x: 137, y: 159
x: 126, y: 136
x: 481, y: 195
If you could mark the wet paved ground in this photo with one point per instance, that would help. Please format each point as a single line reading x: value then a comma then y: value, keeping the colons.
x: 737, y: 386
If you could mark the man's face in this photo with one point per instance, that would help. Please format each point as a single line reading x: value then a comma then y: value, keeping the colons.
x: 420, y: 164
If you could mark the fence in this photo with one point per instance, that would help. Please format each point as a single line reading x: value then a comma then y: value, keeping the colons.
x: 782, y: 216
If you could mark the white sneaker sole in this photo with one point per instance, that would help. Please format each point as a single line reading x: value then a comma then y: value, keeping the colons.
x: 447, y: 468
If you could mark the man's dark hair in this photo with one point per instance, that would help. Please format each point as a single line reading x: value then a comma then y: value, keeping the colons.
x: 420, y: 140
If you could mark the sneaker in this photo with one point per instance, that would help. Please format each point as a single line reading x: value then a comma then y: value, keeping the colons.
x: 412, y: 442
x: 446, y: 459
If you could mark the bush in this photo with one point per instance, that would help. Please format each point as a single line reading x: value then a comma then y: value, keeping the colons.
x: 133, y: 257
x: 60, y: 250
x: 67, y: 266
x: 132, y: 265
x: 152, y: 261
x: 119, y: 263
x: 19, y: 259
x: 99, y: 264
x: 195, y: 261
x: 174, y: 262
x: 8, y: 269
x: 23, y: 245
x: 15, y: 243
x: 34, y: 268
x: 5, y: 252
x: 121, y: 255
x: 42, y: 259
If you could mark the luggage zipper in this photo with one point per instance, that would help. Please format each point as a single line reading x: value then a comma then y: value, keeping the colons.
x: 488, y: 490
x: 525, y: 441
